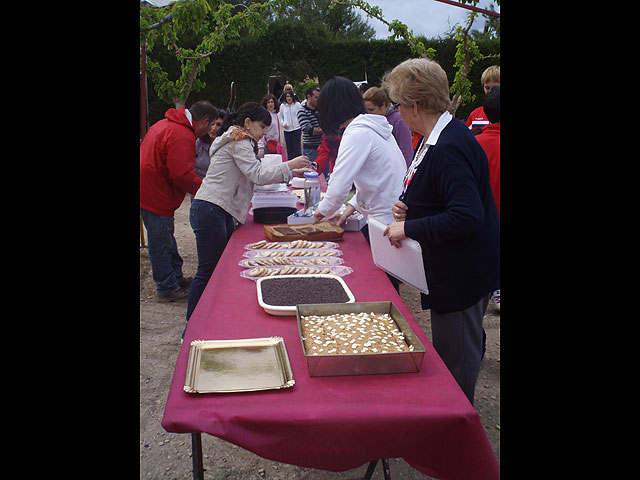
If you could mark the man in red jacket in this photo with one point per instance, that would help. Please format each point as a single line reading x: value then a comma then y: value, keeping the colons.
x: 490, y: 141
x: 167, y: 158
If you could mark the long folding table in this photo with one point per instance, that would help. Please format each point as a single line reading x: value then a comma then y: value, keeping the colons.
x: 331, y: 423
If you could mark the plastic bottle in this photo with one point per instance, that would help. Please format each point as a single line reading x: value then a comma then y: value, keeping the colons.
x: 311, y: 190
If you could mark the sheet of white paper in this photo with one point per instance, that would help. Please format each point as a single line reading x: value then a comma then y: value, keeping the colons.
x: 404, y: 263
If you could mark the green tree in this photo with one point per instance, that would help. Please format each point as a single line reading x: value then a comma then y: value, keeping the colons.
x: 340, y: 21
x: 194, y: 30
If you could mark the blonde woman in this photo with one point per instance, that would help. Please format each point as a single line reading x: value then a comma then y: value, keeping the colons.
x: 447, y: 206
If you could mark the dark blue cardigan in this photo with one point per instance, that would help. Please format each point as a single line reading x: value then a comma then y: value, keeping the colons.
x: 452, y: 214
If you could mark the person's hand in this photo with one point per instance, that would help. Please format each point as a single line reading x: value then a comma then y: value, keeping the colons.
x: 395, y: 232
x: 299, y: 172
x: 399, y: 210
x: 299, y: 162
x: 340, y: 218
x: 317, y: 216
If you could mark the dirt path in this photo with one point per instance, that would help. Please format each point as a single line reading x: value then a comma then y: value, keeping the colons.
x: 167, y: 456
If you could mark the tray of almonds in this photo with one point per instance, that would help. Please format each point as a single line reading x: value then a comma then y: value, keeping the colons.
x: 358, y: 338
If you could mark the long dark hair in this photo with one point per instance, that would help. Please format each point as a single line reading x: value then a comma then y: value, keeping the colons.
x: 276, y: 103
x: 339, y: 101
x: 251, y: 110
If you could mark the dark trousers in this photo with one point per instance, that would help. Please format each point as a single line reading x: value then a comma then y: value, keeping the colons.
x: 212, y: 227
x: 293, y: 141
x: 459, y: 340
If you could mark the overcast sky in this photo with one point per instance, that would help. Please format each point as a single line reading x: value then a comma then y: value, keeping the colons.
x: 425, y: 17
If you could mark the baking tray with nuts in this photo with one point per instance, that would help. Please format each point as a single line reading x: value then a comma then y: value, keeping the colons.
x: 358, y: 338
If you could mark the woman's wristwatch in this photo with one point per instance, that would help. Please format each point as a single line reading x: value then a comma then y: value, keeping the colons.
x: 314, y: 165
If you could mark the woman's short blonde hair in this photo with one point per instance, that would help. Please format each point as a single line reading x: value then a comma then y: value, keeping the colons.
x: 377, y: 96
x: 418, y: 80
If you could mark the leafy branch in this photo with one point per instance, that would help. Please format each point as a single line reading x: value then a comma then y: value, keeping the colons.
x: 467, y: 51
x: 213, y: 26
x: 396, y: 27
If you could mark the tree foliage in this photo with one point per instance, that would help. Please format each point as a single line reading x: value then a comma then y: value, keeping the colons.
x: 467, y: 52
x: 193, y: 32
x: 340, y: 21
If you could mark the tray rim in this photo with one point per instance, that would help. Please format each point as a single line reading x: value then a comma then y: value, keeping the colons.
x: 290, y: 310
x: 197, y: 346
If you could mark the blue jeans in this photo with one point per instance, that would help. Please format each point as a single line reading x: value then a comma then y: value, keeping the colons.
x: 212, y: 227
x: 312, y: 153
x: 166, y: 263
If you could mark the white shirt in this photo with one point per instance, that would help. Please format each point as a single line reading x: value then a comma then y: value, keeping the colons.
x: 370, y: 158
x: 289, y: 114
x: 442, y: 122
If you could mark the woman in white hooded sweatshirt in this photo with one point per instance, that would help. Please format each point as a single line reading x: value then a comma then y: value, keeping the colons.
x: 368, y: 157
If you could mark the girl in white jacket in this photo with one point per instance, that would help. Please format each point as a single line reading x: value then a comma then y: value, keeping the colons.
x: 288, y: 115
x: 368, y: 157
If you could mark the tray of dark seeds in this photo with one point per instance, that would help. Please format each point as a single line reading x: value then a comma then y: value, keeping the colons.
x: 280, y: 295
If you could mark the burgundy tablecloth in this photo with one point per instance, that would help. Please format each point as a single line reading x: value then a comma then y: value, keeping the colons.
x: 330, y: 423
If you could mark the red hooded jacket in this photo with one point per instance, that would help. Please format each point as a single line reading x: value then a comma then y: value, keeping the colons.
x: 167, y: 157
x: 490, y: 141
x: 328, y: 152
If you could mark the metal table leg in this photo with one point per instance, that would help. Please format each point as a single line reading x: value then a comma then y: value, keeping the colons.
x: 196, y: 455
x: 372, y: 467
x: 385, y: 467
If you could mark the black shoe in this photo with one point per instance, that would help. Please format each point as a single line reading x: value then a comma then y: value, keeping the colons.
x: 185, y: 283
x: 175, y: 296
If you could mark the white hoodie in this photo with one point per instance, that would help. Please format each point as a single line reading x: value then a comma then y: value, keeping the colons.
x: 370, y: 158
